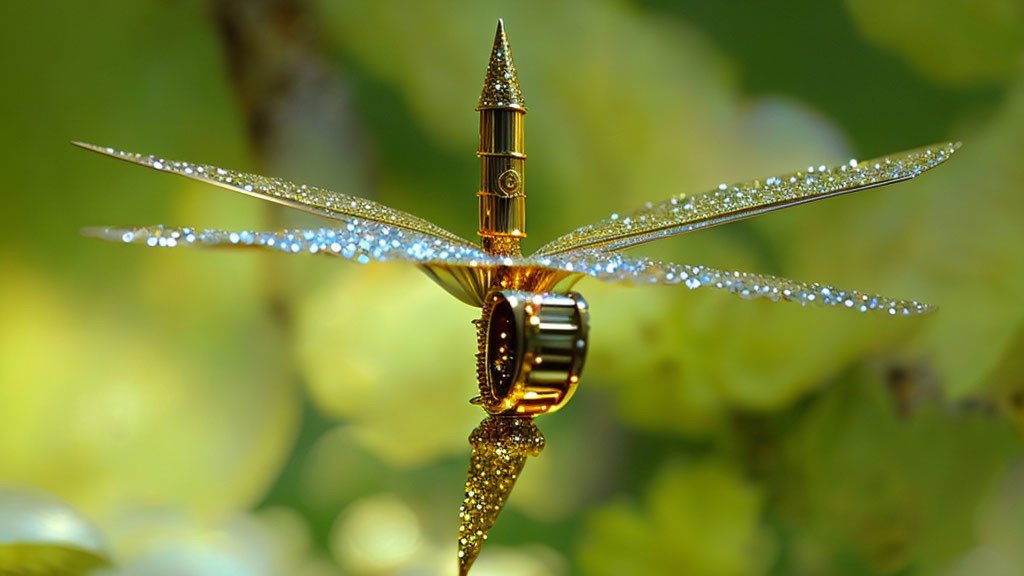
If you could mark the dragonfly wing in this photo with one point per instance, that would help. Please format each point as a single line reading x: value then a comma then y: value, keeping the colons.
x: 300, y: 196
x: 362, y: 241
x: 685, y: 213
x: 615, y: 267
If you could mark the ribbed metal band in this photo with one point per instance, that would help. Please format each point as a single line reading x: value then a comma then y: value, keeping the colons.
x: 532, y: 351
x: 502, y: 192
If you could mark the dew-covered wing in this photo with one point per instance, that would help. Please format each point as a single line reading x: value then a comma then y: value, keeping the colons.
x: 685, y: 213
x: 361, y: 241
x: 300, y: 196
x: 616, y: 267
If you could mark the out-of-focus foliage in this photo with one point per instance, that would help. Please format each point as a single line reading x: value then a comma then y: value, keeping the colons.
x: 409, y: 397
x: 218, y: 413
x: 959, y: 42
x: 998, y: 529
x: 268, y: 542
x: 702, y: 519
x: 147, y: 426
x: 927, y: 477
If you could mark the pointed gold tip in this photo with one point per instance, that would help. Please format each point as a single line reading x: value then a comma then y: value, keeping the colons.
x: 86, y: 145
x: 105, y: 150
x: 501, y: 85
x: 501, y: 445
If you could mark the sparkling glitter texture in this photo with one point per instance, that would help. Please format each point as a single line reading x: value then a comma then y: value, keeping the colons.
x: 685, y: 213
x: 501, y: 86
x: 365, y: 242
x: 501, y: 445
x: 300, y: 196
x: 359, y: 240
x: 614, y: 267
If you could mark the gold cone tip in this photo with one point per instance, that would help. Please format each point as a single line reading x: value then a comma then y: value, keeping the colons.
x: 501, y: 445
x: 501, y: 85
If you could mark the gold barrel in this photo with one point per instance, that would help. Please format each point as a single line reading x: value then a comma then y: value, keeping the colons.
x: 502, y: 153
x: 531, y: 351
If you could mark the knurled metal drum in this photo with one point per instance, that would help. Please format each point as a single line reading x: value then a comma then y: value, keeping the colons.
x: 534, y: 347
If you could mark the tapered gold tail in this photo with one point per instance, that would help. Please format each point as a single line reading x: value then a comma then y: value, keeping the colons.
x: 500, y: 447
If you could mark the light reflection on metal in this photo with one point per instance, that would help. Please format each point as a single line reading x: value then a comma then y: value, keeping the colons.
x: 535, y: 367
x: 502, y: 152
x: 531, y: 348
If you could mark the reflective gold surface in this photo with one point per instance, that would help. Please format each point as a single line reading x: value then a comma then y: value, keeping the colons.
x: 501, y: 445
x: 471, y: 284
x: 502, y: 153
x: 530, y: 351
x: 501, y: 85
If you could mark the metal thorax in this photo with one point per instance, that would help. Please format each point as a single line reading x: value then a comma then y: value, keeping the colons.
x: 531, y: 350
x: 502, y: 153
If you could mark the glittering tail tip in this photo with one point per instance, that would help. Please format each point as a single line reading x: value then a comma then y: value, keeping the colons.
x: 501, y: 445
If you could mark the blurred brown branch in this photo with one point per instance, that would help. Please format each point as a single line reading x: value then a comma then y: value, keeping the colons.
x: 297, y: 107
x: 286, y: 88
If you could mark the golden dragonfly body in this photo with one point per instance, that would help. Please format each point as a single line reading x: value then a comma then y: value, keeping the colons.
x: 532, y: 334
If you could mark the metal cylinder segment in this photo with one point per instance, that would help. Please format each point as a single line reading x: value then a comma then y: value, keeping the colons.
x: 502, y: 196
x: 534, y: 348
x: 502, y: 131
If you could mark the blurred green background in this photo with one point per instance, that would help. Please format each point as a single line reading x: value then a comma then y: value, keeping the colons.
x: 252, y: 414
